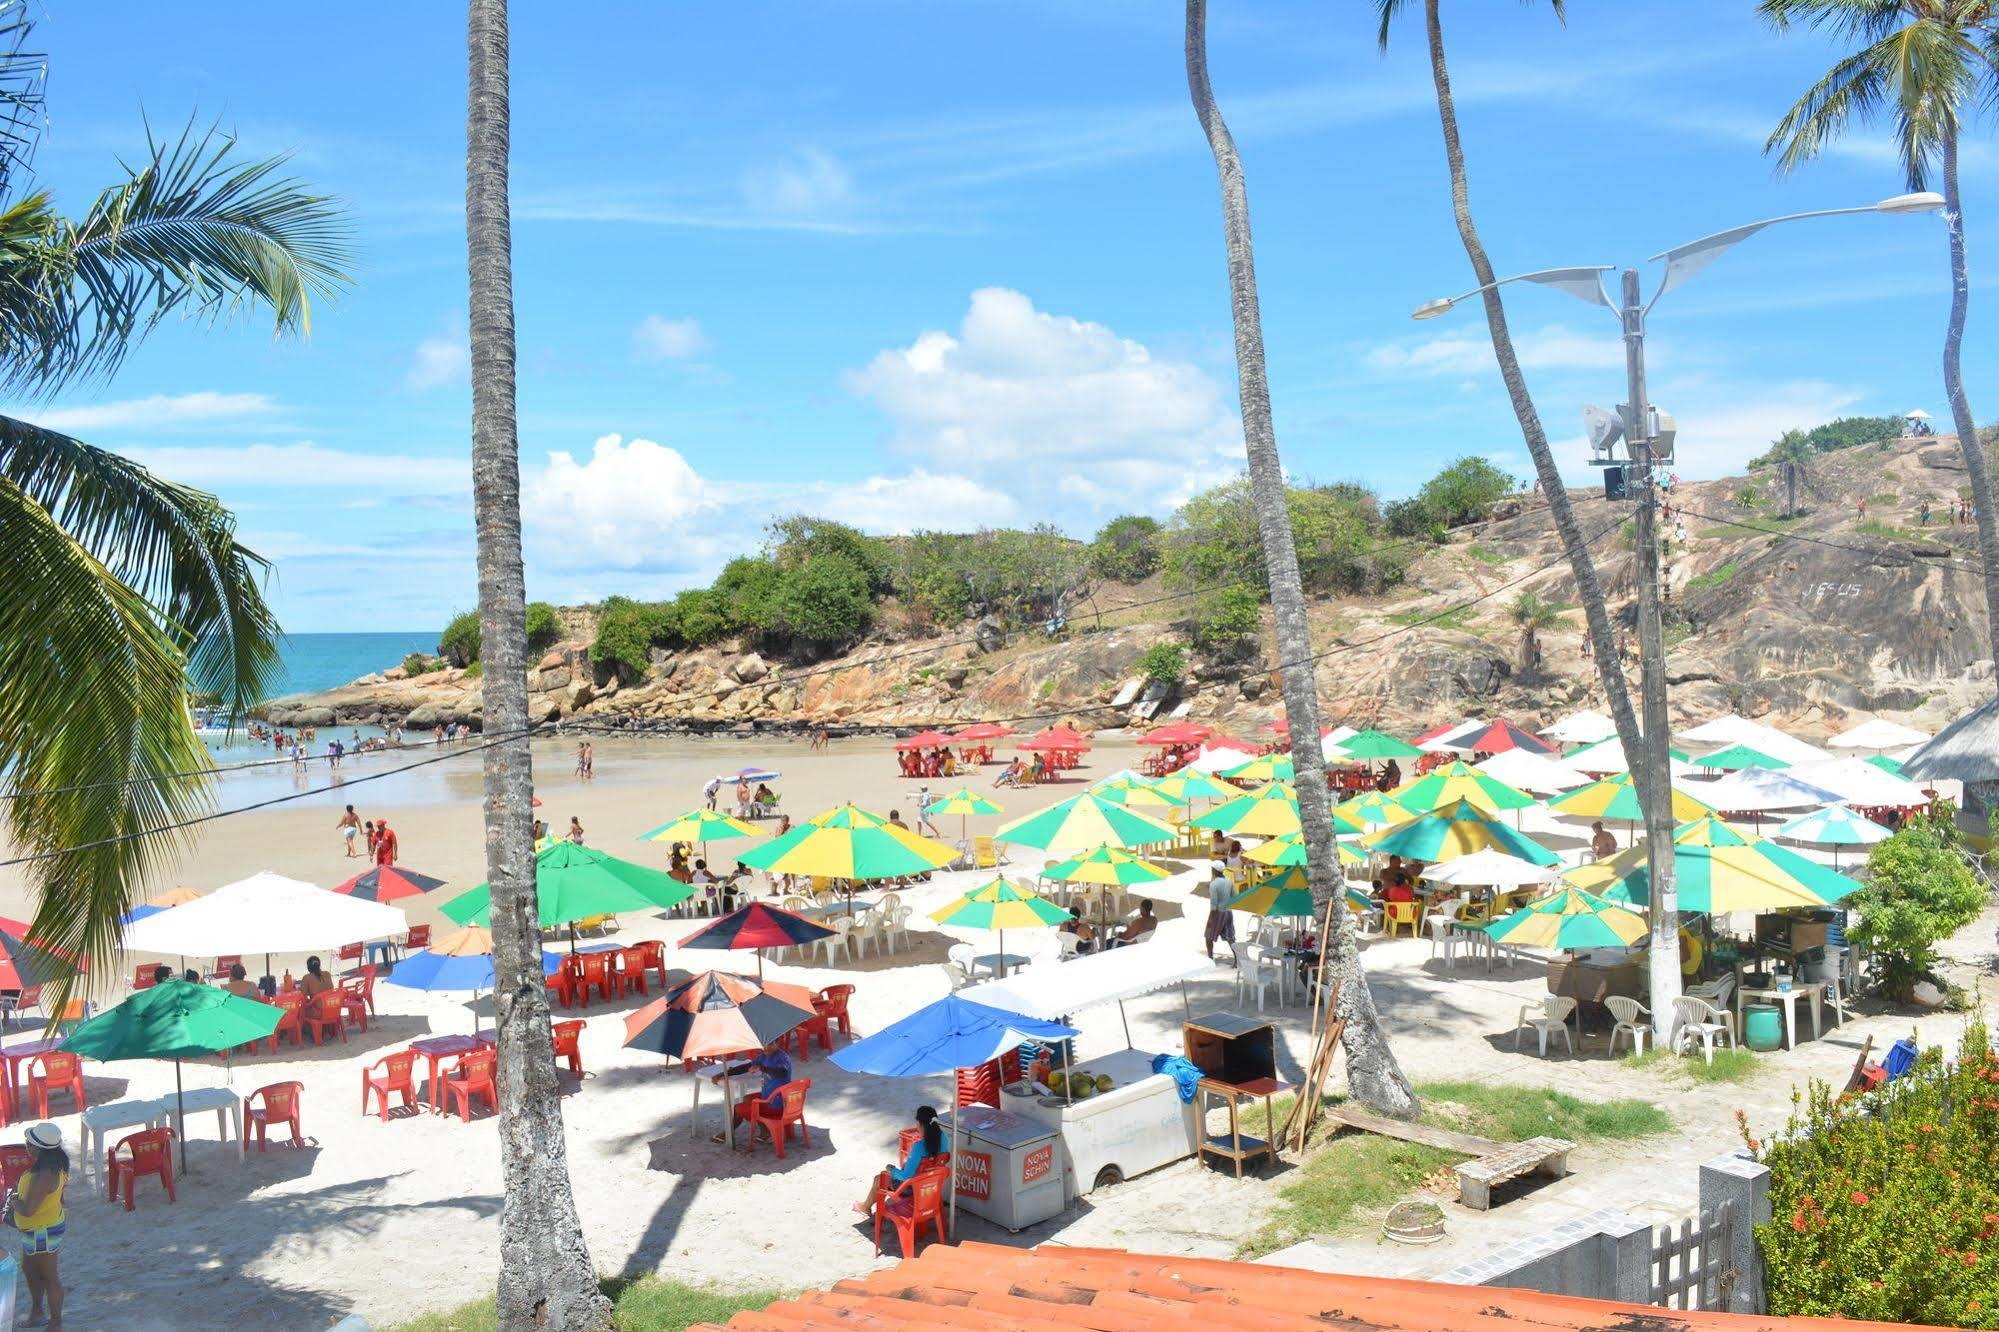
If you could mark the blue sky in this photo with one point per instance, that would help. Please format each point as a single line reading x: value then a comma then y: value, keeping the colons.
x: 921, y: 265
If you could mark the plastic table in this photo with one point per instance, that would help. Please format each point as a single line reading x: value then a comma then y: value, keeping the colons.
x: 435, y: 1050
x: 99, y: 1120
x: 1787, y: 1000
x: 999, y: 964
x: 226, y: 1104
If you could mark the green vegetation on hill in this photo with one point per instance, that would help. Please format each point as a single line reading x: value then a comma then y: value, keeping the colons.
x: 1845, y: 433
x: 459, y: 643
x: 1464, y: 492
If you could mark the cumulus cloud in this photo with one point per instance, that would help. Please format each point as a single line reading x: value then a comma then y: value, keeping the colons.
x: 444, y: 359
x: 809, y: 182
x: 917, y: 500
x: 1033, y: 403
x: 626, y: 506
x: 1469, y: 352
x: 658, y: 338
x: 155, y: 411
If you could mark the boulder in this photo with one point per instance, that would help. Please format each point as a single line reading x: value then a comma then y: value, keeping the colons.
x: 579, y: 694
x: 1253, y: 686
x: 749, y: 668
x: 660, y: 663
x: 954, y: 675
x: 990, y: 634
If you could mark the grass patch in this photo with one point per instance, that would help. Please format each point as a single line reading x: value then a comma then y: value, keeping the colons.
x: 1458, y: 617
x: 1708, y: 581
x: 1767, y: 526
x: 1728, y: 1066
x: 1874, y: 527
x: 648, y: 1304
x: 1354, y: 1176
x: 1486, y: 555
x: 1890, y: 497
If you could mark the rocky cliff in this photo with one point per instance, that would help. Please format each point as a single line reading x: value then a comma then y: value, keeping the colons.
x: 1808, y: 619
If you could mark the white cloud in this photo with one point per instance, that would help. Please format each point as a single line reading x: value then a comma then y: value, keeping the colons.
x: 1721, y: 431
x: 918, y: 500
x: 305, y: 464
x: 1468, y: 352
x: 658, y: 338
x: 160, y: 409
x: 440, y: 360
x: 626, y: 506
x: 1035, y: 404
x: 810, y: 182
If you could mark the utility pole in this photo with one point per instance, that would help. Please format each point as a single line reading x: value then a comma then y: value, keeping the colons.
x: 1652, y: 771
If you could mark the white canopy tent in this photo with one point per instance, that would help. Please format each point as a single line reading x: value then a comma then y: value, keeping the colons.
x: 1581, y: 728
x: 1880, y: 735
x: 1733, y: 730
x: 1608, y: 757
x: 1533, y: 772
x: 1754, y: 790
x: 1489, y: 869
x: 265, y: 913
x: 1054, y: 990
x: 1859, y: 782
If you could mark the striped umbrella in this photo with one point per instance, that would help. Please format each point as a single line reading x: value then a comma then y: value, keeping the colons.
x: 1267, y: 768
x: 964, y: 802
x: 1289, y: 893
x: 1886, y: 764
x: 24, y: 961
x: 1086, y: 820
x: 1458, y: 781
x: 1189, y: 784
x: 1372, y: 744
x: 1835, y: 826
x: 1132, y: 792
x: 572, y: 883
x: 1268, y: 811
x: 757, y: 926
x: 716, y: 1014
x: 1716, y: 869
x: 389, y: 883
x: 1374, y: 808
x: 849, y: 843
x: 1290, y: 849
x: 1617, y: 798
x: 1453, y: 831
x: 1570, y: 919
x: 1737, y: 757
x: 1109, y: 866
x: 1001, y: 905
x: 700, y: 825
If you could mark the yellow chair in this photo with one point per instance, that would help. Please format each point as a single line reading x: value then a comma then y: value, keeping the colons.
x: 986, y: 854
x: 589, y: 923
x: 1401, y: 915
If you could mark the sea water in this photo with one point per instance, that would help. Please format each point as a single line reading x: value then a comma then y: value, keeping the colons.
x: 309, y: 663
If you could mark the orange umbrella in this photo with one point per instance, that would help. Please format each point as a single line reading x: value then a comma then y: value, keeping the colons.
x: 1054, y: 738
x: 718, y: 1013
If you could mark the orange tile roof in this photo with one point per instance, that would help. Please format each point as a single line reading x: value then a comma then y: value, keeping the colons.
x: 1060, y: 1289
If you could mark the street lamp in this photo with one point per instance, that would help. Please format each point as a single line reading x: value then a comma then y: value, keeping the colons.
x: 1640, y: 427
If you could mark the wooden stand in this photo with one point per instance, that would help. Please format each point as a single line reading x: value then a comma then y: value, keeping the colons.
x: 1236, y: 1147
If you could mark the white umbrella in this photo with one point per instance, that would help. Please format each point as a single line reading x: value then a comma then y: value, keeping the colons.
x: 1753, y: 790
x: 1581, y: 728
x: 1878, y: 734
x: 1488, y: 868
x: 1857, y: 781
x: 1733, y: 730
x: 1212, y: 761
x: 1608, y: 756
x: 1918, y: 415
x: 1533, y: 772
x: 265, y: 913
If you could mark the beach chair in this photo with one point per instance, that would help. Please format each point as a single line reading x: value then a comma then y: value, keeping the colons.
x: 955, y: 973
x: 868, y: 930
x: 418, y: 937
x: 817, y: 1027
x: 142, y: 975
x: 632, y: 963
x: 147, y: 1152
x: 987, y: 854
x: 472, y: 1077
x: 275, y: 1104
x: 396, y: 1074
x: 1696, y: 1019
x: 896, y: 928
x: 1438, y: 923
x: 568, y: 1043
x: 840, y: 938
x: 778, y: 1123
x: 1401, y: 916
x: 1628, y: 1013
x: 1552, y: 1014
x: 58, y: 1070
x: 832, y: 1001
x: 358, y: 994
x: 290, y: 1027
x: 222, y: 965
x: 15, y: 1163
x: 594, y: 971
x: 918, y: 1202
x: 324, y: 1013
x: 561, y: 985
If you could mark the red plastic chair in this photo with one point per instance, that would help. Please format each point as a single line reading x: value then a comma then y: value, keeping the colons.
x: 142, y: 975
x: 561, y: 986
x: 596, y: 971
x: 919, y: 1200
x: 472, y: 1076
x: 655, y: 956
x: 418, y: 937
x: 817, y: 1027
x: 357, y: 996
x: 280, y: 1106
x: 289, y: 1026
x: 325, y: 1013
x: 632, y: 974
x: 399, y: 1077
x: 149, y: 1152
x: 15, y: 1162
x: 757, y: 1113
x: 567, y: 1035
x: 56, y: 1071
x: 832, y: 1001
x: 222, y: 965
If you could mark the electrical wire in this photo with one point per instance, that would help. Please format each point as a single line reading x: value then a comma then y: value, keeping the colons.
x: 1909, y: 560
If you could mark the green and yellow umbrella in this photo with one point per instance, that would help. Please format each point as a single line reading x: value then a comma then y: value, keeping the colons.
x: 1086, y: 820
x: 1372, y: 744
x: 1617, y: 798
x: 1106, y: 866
x: 1268, y: 811
x: 849, y: 844
x: 1374, y: 808
x: 848, y: 815
x: 1571, y: 919
x: 1288, y: 893
x: 1460, y: 781
x: 573, y: 883
x: 1002, y: 906
x: 1737, y: 757
x: 700, y: 825
x: 964, y: 802
x: 1453, y: 831
x: 1132, y: 792
x: 1262, y: 769
x: 1717, y: 869
x: 1290, y: 849
x: 1187, y: 785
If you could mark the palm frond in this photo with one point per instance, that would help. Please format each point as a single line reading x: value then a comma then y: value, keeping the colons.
x: 174, y: 546
x: 92, y: 694
x: 1848, y: 20
x: 22, y: 76
x: 193, y: 230
x: 1851, y: 90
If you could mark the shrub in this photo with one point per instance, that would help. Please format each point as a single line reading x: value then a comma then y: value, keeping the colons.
x: 1163, y: 663
x: 796, y: 540
x: 1887, y: 1208
x: 1919, y: 891
x: 1465, y: 491
x: 544, y: 627
x: 824, y: 603
x: 459, y: 644
x: 743, y: 592
x: 1228, y: 618
x: 1214, y: 538
x: 627, y: 631
x: 1127, y: 549
x: 421, y: 663
x: 700, y: 617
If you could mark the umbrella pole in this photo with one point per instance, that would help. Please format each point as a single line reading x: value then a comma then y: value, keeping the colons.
x: 956, y: 1114
x: 180, y: 1116
x: 1127, y: 1024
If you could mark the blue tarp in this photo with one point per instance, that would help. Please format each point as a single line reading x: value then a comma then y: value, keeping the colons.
x: 948, y: 1035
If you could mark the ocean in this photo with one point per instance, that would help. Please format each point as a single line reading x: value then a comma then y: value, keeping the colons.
x: 312, y: 662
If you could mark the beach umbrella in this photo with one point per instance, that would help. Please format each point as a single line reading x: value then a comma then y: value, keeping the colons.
x: 175, y: 1020
x: 388, y: 883
x: 1442, y: 737
x: 1290, y: 849
x: 26, y: 961
x: 849, y: 843
x: 1533, y: 772
x: 1229, y: 742
x: 1374, y: 808
x: 1086, y: 820
x: 752, y: 774
x: 1489, y: 869
x: 1608, y: 756
x: 1835, y: 826
x: 1372, y: 744
x: 1285, y: 893
x: 1130, y: 791
x: 1177, y: 733
x: 461, y: 960
x: 985, y: 731
x: 1717, y: 869
x: 1732, y: 730
x: 1737, y: 757
x: 1268, y: 768
x: 1617, y: 798
x: 1860, y: 782
x: 573, y: 883
x: 964, y: 802
x: 159, y: 902
x: 1056, y: 738
x: 1878, y: 734
x: 1571, y: 919
x: 1886, y: 764
x: 1000, y: 905
x: 1106, y: 867
x: 926, y: 740
x: 757, y: 926
x: 700, y: 825
x: 1757, y: 790
x: 718, y: 1013
x: 1457, y: 781
x: 1268, y: 811
x: 1189, y: 784
x: 266, y: 913
x: 1581, y: 728
x: 1504, y: 737
x: 1453, y: 831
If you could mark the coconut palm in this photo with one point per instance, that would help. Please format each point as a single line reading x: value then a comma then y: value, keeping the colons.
x: 1532, y: 615
x: 1791, y: 452
x: 1589, y: 590
x: 135, y: 585
x: 546, y: 1276
x: 1372, y: 1071
x: 1926, y: 66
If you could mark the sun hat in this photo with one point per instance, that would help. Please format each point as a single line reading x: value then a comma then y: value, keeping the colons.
x: 45, y: 1136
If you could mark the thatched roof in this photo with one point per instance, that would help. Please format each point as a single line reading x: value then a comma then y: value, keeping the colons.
x: 1967, y: 750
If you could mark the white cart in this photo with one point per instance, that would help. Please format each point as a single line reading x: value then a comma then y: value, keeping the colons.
x: 1138, y: 1125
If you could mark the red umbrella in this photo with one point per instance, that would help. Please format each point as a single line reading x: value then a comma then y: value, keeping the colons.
x: 1177, y: 733
x: 925, y: 740
x: 716, y: 1014
x: 1230, y: 742
x: 1055, y: 738
x: 757, y: 926
x: 388, y: 883
x: 985, y: 731
x: 1503, y: 735
x: 25, y: 961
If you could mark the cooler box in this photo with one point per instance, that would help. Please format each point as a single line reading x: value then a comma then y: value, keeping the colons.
x: 1006, y: 1166
x: 1138, y: 1125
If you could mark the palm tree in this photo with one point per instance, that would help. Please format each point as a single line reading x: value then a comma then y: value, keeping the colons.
x: 1373, y: 1074
x: 135, y: 585
x: 1532, y: 615
x: 546, y: 1277
x: 1589, y: 591
x: 1792, y: 452
x: 1927, y: 65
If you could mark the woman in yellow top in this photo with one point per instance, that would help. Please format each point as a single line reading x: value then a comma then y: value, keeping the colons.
x: 36, y: 1211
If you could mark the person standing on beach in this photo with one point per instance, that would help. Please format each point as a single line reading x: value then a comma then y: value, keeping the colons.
x: 350, y: 827
x: 385, y: 843
x: 1221, y: 918
x: 35, y: 1209
x: 589, y: 760
x: 575, y: 830
x: 581, y: 750
x: 711, y: 790
x: 924, y: 823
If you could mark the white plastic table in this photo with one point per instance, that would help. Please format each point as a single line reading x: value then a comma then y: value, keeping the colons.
x: 101, y: 1120
x: 226, y: 1104
x: 1788, y: 1001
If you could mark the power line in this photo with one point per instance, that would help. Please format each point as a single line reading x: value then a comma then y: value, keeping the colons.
x: 244, y: 766
x: 1909, y: 560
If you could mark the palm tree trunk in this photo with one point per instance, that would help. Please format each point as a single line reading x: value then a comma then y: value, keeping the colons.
x: 1589, y: 590
x: 1960, y: 406
x: 546, y: 1277
x: 1373, y: 1075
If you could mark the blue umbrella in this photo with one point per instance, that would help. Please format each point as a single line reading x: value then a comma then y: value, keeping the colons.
x: 425, y: 970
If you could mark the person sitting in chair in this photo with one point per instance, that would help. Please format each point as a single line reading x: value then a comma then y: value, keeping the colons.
x: 928, y: 1146
x: 775, y: 1065
x: 1139, y: 927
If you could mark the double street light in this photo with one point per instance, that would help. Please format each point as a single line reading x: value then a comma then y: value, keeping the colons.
x: 1641, y: 428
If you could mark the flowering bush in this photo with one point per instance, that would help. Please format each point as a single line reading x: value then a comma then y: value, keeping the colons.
x: 1887, y: 1207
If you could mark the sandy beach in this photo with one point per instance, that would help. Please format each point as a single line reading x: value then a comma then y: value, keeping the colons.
x: 391, y: 1219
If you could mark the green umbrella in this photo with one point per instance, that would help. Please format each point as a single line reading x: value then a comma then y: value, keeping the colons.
x: 1268, y: 811
x: 174, y: 1020
x: 1736, y: 757
x: 573, y: 883
x: 1000, y: 905
x: 1187, y: 784
x: 1570, y: 919
x: 1457, y: 781
x: 1374, y: 807
x: 1453, y: 831
x: 1086, y: 820
x: 1373, y: 744
x: 1132, y: 792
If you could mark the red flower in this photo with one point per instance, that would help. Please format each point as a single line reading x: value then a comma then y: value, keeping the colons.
x: 1859, y: 1198
x: 1970, y: 1259
x: 1798, y: 1220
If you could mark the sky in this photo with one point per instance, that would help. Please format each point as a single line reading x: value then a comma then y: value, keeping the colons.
x: 941, y: 266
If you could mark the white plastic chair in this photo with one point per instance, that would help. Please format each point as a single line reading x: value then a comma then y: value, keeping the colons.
x: 1696, y: 1017
x: 1556, y: 1010
x: 1628, y: 1013
x: 841, y: 938
x: 957, y: 975
x: 888, y: 902
x: 1253, y: 970
x: 796, y: 903
x: 1438, y: 923
x: 1067, y: 946
x: 895, y: 930
x: 869, y: 930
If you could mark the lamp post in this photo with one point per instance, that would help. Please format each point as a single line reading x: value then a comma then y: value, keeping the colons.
x: 1651, y: 766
